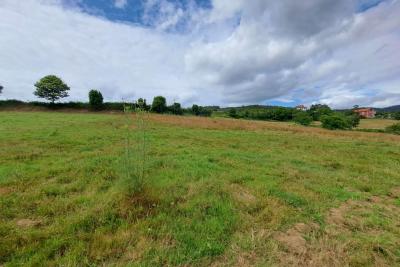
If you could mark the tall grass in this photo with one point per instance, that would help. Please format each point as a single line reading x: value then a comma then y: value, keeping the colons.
x: 135, y: 148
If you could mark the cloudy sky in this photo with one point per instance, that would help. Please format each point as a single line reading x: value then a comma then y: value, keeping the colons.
x: 210, y: 52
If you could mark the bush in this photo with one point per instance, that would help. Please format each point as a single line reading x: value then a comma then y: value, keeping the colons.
x: 142, y: 105
x: 335, y: 122
x: 232, y: 113
x: 394, y: 129
x: 12, y: 103
x: 159, y: 104
x: 205, y: 111
x: 396, y: 116
x: 195, y: 110
x: 303, y: 118
x: 382, y: 115
x: 176, y: 109
x: 95, y: 99
x: 117, y: 106
x: 354, y: 120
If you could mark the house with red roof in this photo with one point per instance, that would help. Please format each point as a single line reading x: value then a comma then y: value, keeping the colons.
x: 368, y: 113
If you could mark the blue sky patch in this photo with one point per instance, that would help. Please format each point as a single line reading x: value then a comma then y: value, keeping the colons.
x: 132, y: 12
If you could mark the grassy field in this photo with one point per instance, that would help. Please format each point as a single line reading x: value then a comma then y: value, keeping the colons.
x: 376, y: 123
x: 217, y: 192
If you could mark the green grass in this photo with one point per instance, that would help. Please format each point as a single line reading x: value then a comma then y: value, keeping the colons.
x: 212, y: 195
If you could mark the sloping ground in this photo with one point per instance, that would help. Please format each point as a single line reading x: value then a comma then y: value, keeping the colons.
x: 218, y: 192
x: 376, y: 123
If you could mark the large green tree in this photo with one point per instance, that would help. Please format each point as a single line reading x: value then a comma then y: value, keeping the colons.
x: 318, y: 110
x: 159, y: 104
x: 51, y: 88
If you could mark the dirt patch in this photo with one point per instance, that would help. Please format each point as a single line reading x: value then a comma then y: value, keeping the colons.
x: 304, y: 247
x: 27, y: 223
x: 293, y: 239
x: 5, y: 191
x: 337, y: 215
x: 395, y: 192
x: 138, y: 205
x: 242, y: 195
x: 375, y: 199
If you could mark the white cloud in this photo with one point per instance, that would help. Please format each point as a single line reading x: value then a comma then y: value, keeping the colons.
x: 120, y: 3
x: 319, y: 46
x: 87, y: 52
x: 240, y: 51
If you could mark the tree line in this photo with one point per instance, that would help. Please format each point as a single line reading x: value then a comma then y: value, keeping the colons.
x: 53, y: 88
x: 329, y: 118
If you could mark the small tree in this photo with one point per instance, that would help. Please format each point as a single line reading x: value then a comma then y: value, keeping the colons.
x: 159, y: 104
x: 396, y: 116
x: 51, y: 88
x: 303, y: 118
x: 95, y: 99
x: 176, y: 109
x: 1, y: 88
x: 195, y: 110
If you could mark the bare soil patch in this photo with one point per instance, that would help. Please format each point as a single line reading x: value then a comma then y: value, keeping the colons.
x: 27, y: 223
x: 242, y: 195
x: 5, y: 191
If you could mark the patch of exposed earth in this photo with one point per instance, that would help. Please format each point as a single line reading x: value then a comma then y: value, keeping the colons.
x: 309, y: 245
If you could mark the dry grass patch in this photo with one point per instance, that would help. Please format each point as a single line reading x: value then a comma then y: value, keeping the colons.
x: 27, y: 223
x: 376, y: 123
x: 233, y: 124
x: 242, y: 195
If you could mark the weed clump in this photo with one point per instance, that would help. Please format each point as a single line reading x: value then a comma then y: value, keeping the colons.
x: 394, y: 129
x: 135, y: 148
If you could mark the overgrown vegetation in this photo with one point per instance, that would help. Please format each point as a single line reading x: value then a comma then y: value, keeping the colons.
x: 134, y: 158
x: 395, y: 128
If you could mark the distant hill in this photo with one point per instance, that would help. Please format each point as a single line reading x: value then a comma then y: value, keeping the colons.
x: 249, y: 107
x: 390, y: 109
